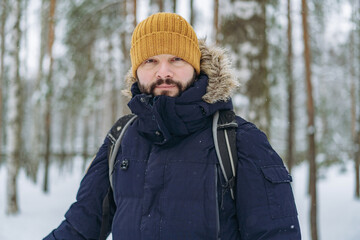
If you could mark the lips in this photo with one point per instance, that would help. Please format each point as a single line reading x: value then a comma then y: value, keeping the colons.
x: 165, y: 86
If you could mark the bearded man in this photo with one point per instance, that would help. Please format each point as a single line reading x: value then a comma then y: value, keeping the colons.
x: 167, y: 183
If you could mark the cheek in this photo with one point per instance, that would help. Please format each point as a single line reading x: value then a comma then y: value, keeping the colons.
x: 187, y: 74
x: 143, y: 77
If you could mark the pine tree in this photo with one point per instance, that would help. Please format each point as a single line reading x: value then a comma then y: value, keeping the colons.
x: 245, y: 35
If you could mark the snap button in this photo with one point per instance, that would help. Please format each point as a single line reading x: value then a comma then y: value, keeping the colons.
x: 124, y: 164
x: 158, y: 133
x: 142, y: 99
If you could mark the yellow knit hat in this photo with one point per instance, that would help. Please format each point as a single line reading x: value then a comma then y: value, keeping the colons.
x: 164, y: 33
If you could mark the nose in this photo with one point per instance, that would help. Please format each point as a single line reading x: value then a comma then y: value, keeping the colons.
x: 164, y: 71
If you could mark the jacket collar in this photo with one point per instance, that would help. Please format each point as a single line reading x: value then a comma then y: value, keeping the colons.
x: 163, y: 119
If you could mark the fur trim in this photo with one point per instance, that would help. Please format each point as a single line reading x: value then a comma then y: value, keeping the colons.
x: 216, y: 65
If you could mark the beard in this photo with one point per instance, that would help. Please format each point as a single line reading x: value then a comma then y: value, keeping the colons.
x: 181, y: 87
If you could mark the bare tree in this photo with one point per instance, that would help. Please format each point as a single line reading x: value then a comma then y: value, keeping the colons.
x: 353, y: 85
x: 354, y: 61
x: 49, y: 93
x: 354, y: 105
x: 310, y: 124
x: 290, y: 91
x: 354, y: 134
x: 113, y: 80
x: 15, y: 109
x: 86, y: 134
x: 38, y: 119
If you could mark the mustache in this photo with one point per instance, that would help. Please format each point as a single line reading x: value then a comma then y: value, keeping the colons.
x: 167, y: 81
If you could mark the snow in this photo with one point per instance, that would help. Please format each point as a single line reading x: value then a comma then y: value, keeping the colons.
x: 339, y: 212
x: 40, y: 212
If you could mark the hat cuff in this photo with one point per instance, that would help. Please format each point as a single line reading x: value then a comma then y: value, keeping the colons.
x: 164, y: 42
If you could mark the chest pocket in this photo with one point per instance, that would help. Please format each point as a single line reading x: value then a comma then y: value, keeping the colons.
x: 278, y: 190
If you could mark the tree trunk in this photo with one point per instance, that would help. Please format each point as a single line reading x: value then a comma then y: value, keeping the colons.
x: 86, y: 135
x: 161, y: 5
x: 2, y: 68
x: 357, y: 163
x: 15, y: 121
x: 134, y: 12
x: 38, y: 117
x: 113, y: 81
x: 65, y: 115
x: 310, y: 125
x: 353, y: 86
x: 73, y: 130
x: 216, y: 21
x: 355, y: 133
x: 260, y: 81
x: 125, y: 40
x: 192, y: 13
x: 174, y: 6
x: 355, y: 122
x: 290, y: 90
x: 98, y: 125
x: 48, y: 105
x: 357, y: 152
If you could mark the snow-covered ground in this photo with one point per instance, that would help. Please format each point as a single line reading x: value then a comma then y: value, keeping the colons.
x: 339, y: 212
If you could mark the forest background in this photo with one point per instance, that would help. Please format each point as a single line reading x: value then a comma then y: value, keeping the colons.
x: 62, y: 65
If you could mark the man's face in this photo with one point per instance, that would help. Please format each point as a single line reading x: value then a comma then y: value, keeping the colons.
x: 165, y: 74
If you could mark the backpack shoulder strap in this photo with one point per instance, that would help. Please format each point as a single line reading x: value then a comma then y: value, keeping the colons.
x: 115, y: 135
x: 224, y: 134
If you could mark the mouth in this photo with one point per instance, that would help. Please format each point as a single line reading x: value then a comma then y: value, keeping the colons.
x: 165, y: 86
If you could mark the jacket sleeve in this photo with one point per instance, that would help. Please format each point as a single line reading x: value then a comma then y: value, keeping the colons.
x: 264, y: 200
x: 83, y: 219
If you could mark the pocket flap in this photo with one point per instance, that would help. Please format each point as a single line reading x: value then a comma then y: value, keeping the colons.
x: 276, y: 174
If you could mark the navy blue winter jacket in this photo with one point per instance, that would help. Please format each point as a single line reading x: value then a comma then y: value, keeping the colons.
x: 173, y: 186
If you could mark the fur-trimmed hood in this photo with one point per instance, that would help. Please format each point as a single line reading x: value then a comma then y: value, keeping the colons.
x: 216, y: 65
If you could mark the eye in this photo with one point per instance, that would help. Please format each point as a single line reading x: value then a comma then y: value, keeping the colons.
x: 175, y: 59
x: 150, y: 60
